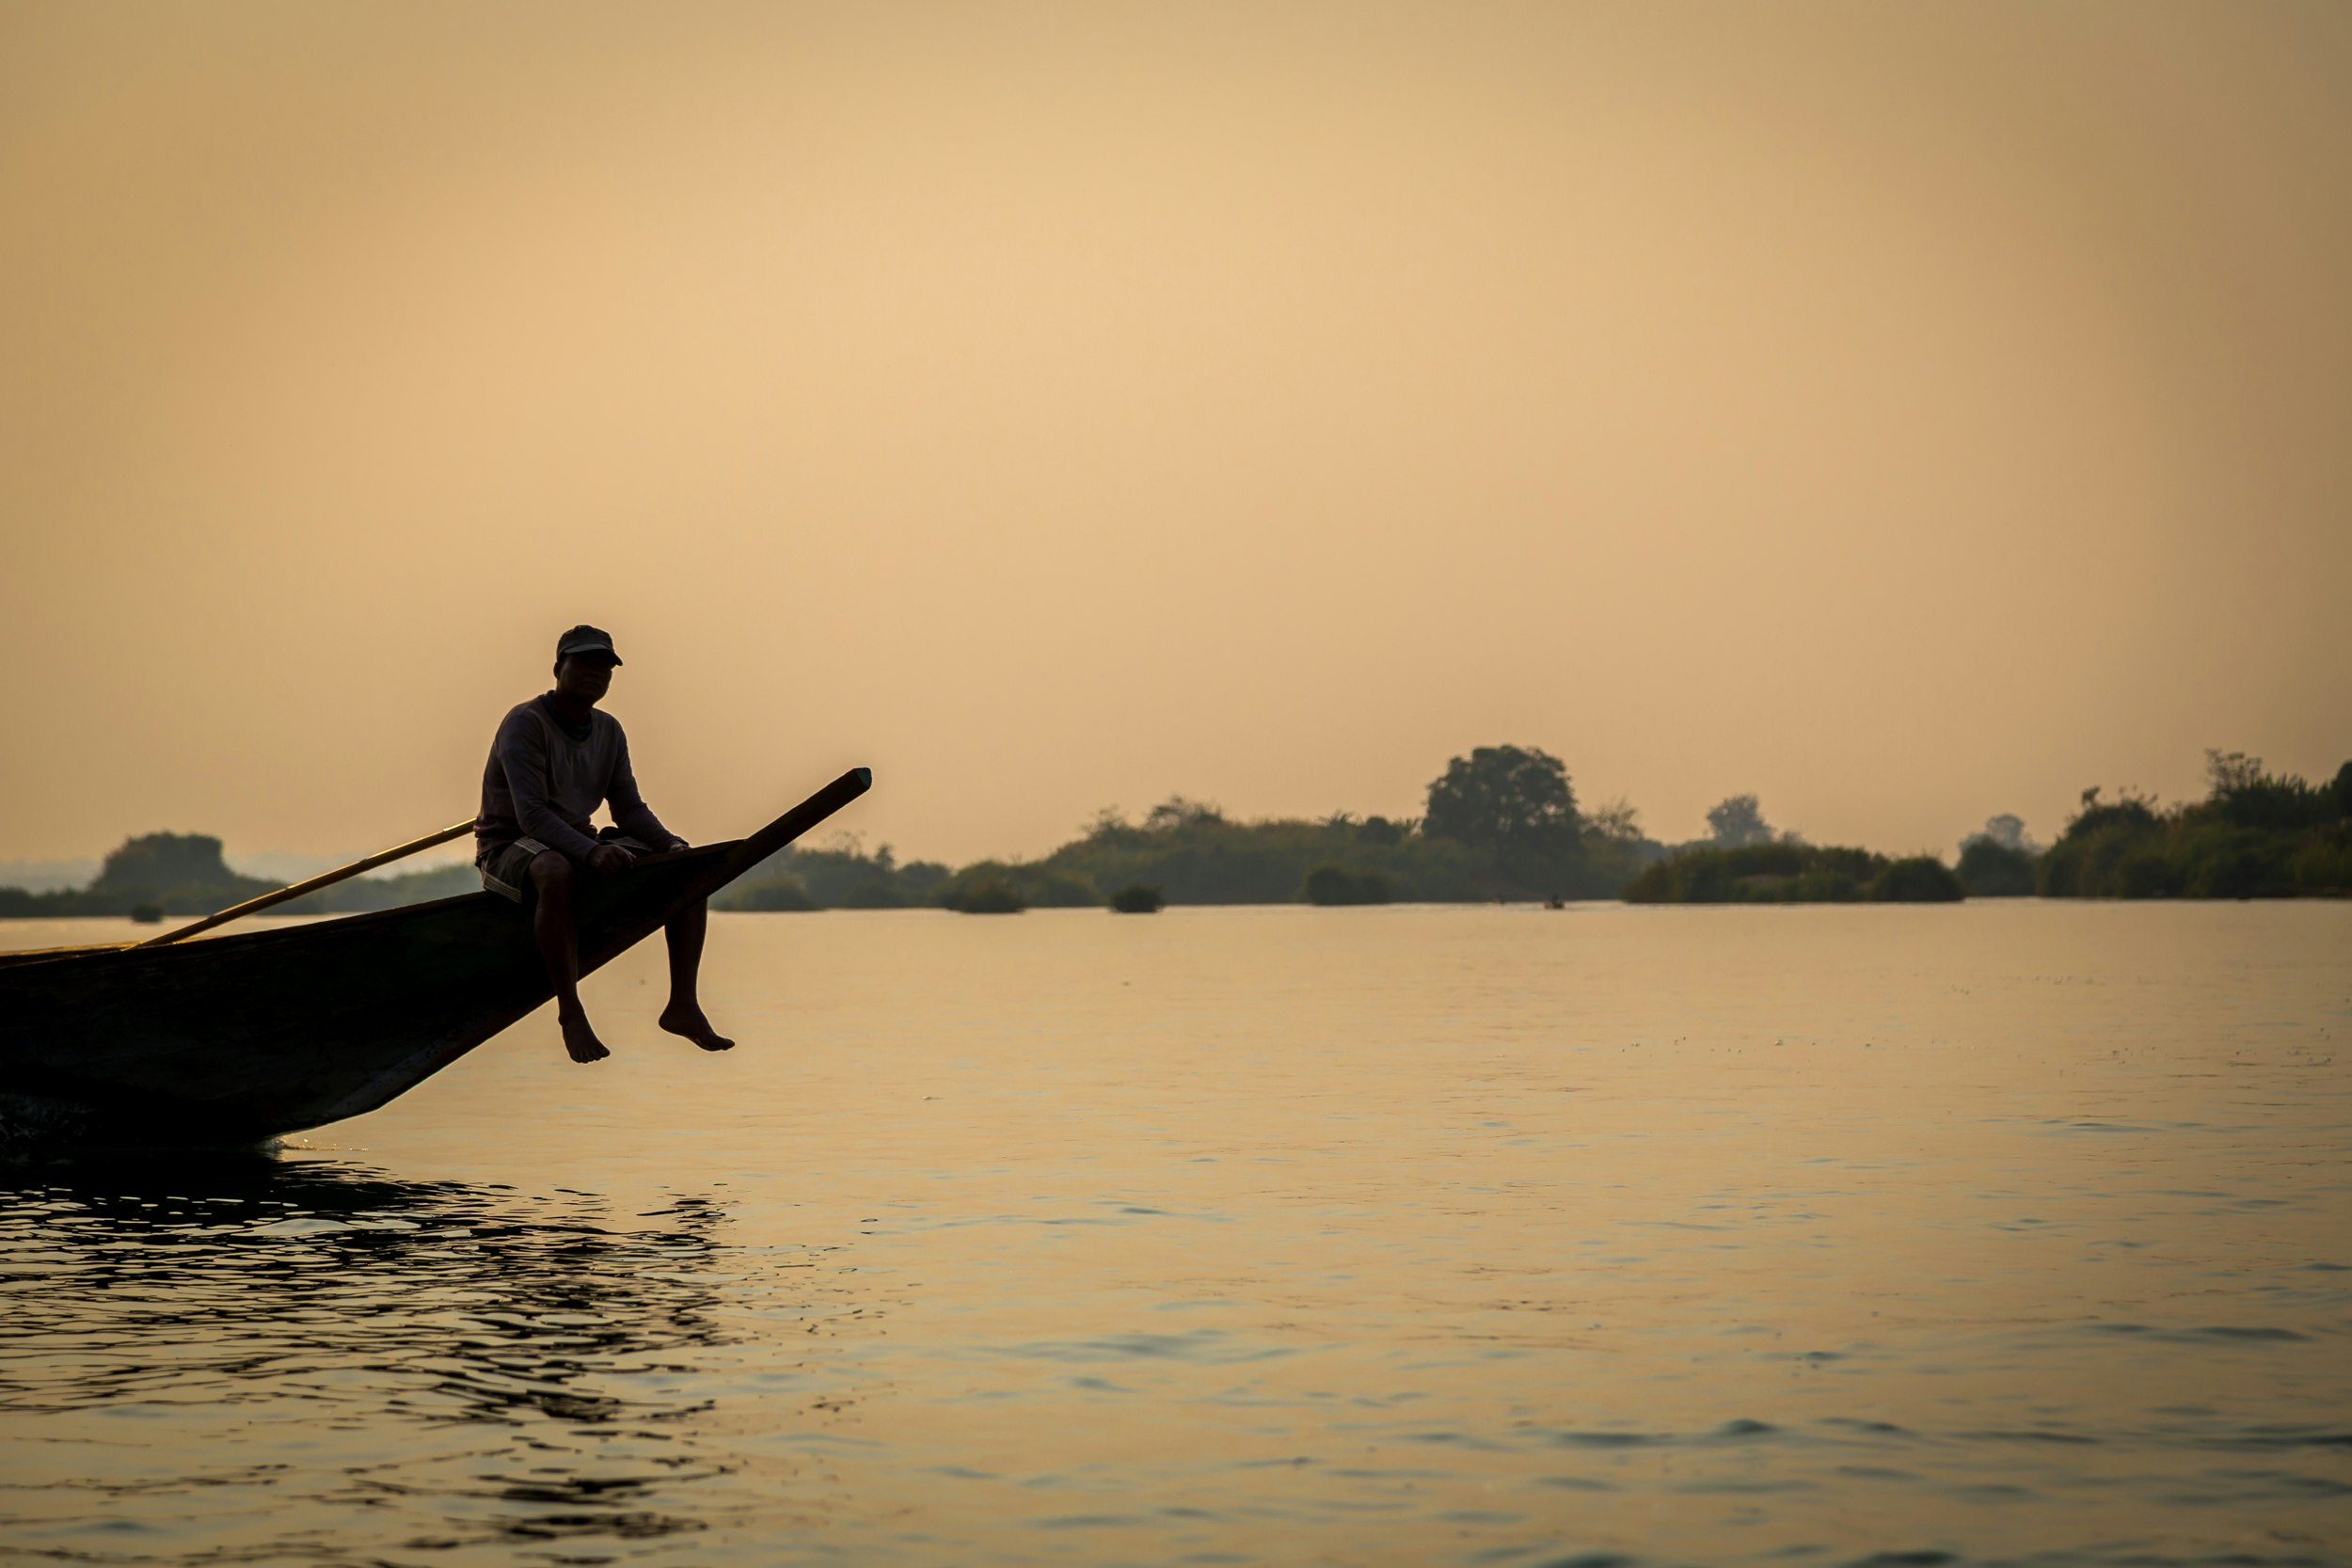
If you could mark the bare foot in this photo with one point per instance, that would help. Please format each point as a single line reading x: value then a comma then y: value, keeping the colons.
x: 581, y: 1040
x: 689, y: 1021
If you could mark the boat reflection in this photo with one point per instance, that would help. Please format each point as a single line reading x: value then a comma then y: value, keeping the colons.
x: 494, y: 1366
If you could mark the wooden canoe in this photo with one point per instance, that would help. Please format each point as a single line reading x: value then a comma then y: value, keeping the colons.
x: 237, y: 1039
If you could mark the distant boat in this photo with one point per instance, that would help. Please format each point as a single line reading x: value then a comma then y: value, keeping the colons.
x: 239, y: 1038
x: 146, y: 914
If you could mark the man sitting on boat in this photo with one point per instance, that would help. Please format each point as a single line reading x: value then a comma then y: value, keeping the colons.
x: 555, y: 760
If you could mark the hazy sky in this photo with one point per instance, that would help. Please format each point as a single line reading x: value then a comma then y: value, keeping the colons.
x: 1908, y: 413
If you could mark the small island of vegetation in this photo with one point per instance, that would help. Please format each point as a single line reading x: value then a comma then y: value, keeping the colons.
x: 2255, y: 835
x: 988, y: 895
x: 1791, y: 872
x: 153, y: 875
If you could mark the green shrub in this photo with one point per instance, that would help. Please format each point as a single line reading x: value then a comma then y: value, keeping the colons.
x: 2059, y: 872
x: 2322, y: 863
x: 2255, y: 835
x: 989, y: 896
x: 1916, y: 879
x: 1817, y: 886
x: 2082, y: 864
x: 2144, y: 871
x: 2128, y: 811
x: 1195, y: 856
x: 1056, y: 890
x: 1990, y: 870
x: 769, y: 893
x: 1337, y: 885
x: 1036, y: 883
x: 2214, y: 861
x: 847, y: 878
x: 2244, y: 794
x: 1783, y: 872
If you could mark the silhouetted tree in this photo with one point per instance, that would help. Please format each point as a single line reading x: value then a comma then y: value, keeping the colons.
x: 988, y: 897
x: 2229, y: 772
x: 1998, y: 863
x: 1991, y: 869
x: 1514, y: 802
x: 1616, y: 820
x: 1177, y: 812
x: 1738, y: 822
x: 2007, y: 831
x: 1916, y: 879
x: 153, y: 861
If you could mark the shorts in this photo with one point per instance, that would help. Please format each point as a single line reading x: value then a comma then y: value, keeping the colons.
x: 507, y: 873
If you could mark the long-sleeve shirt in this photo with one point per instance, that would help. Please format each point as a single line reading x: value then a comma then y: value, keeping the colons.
x: 544, y: 783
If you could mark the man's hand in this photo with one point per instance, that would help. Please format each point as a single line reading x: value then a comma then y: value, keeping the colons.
x: 605, y: 858
x: 675, y: 845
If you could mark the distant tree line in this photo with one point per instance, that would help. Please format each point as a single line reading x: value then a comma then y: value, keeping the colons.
x: 160, y: 875
x: 842, y: 877
x: 2254, y: 835
x: 1503, y: 822
x: 1500, y: 823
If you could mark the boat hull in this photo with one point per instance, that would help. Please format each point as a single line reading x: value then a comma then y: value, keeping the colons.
x: 238, y: 1038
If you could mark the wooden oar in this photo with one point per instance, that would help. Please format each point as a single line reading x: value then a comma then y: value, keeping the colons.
x: 325, y: 878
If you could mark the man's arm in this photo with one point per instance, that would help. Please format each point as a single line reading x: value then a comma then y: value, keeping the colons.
x: 523, y: 754
x: 629, y: 812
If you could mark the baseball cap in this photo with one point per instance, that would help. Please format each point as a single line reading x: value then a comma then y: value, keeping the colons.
x: 586, y: 640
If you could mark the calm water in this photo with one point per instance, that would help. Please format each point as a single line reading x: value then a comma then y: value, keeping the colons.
x: 2005, y: 1232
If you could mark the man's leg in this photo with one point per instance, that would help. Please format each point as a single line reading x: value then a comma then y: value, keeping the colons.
x: 551, y: 881
x: 684, y: 1015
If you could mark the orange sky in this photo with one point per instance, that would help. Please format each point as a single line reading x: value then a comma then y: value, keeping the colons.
x: 1906, y: 412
